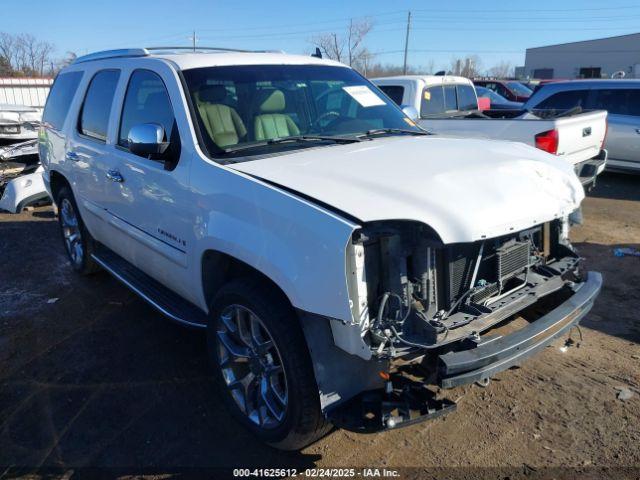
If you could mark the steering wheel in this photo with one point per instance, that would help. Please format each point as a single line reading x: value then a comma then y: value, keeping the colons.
x: 324, y: 116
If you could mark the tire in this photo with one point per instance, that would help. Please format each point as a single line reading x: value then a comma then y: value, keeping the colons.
x: 78, y: 242
x: 241, y: 302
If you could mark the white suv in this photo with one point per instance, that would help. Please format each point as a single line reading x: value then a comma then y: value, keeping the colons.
x: 341, y: 259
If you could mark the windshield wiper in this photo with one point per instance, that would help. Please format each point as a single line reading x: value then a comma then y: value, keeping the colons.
x: 399, y: 131
x: 292, y: 139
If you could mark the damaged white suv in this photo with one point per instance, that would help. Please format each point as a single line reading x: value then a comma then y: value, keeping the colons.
x: 342, y: 260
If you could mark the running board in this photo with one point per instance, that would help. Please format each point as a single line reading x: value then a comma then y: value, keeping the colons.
x: 153, y: 292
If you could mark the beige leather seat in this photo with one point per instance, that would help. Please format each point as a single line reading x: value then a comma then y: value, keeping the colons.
x: 223, y: 124
x: 271, y: 122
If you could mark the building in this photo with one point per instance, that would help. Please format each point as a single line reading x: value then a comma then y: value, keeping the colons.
x: 600, y: 58
x: 31, y: 92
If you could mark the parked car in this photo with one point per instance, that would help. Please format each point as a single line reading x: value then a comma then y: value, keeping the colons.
x: 498, y: 102
x: 339, y: 257
x: 447, y: 105
x: 621, y: 98
x: 510, y: 89
x: 18, y: 123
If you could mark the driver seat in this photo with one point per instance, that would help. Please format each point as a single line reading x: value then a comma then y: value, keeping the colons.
x: 223, y: 124
x: 272, y: 123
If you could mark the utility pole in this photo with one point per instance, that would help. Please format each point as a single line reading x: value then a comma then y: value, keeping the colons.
x: 406, y: 43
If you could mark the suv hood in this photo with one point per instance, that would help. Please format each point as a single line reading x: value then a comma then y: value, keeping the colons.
x: 465, y: 189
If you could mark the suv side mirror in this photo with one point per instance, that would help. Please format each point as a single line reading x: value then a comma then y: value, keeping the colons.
x: 410, y: 112
x: 147, y: 140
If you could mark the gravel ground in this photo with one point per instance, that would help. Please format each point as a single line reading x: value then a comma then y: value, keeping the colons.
x: 91, y: 377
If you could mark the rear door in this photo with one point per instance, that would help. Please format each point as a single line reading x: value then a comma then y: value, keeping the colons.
x: 88, y: 155
x: 623, y: 137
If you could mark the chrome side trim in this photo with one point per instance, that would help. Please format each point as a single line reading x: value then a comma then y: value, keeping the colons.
x: 144, y: 296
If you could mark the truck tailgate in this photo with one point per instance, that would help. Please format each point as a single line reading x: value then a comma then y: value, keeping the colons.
x: 580, y: 136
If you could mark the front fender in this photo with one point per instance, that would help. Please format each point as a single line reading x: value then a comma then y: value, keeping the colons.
x: 297, y: 244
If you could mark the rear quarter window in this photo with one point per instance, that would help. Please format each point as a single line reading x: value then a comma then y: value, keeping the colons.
x: 394, y: 92
x: 60, y: 98
x: 96, y: 108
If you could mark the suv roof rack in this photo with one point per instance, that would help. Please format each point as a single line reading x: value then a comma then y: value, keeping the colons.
x: 144, y: 52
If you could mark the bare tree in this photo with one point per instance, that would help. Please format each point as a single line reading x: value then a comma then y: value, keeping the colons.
x: 504, y: 69
x: 8, y: 47
x: 25, y: 54
x: 468, y: 66
x: 347, y: 48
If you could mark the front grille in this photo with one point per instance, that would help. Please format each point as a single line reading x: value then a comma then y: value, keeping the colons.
x: 512, y: 259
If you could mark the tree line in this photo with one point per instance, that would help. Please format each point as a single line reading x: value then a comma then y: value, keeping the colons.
x: 24, y: 55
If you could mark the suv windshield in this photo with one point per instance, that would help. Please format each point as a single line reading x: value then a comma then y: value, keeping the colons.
x: 254, y: 109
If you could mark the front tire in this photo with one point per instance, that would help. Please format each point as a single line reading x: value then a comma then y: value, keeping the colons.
x: 77, y: 240
x: 262, y: 365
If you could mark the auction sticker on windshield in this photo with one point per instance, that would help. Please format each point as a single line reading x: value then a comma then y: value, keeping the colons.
x: 364, y: 96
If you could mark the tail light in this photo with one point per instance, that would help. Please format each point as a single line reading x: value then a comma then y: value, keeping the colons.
x: 548, y: 141
x: 606, y: 132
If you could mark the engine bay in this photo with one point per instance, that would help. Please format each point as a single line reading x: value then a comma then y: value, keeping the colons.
x: 421, y: 294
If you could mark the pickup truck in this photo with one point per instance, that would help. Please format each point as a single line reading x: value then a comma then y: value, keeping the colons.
x: 340, y: 261
x: 447, y: 105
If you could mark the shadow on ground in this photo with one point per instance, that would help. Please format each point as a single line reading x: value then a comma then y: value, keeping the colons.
x: 92, y: 376
x: 617, y: 186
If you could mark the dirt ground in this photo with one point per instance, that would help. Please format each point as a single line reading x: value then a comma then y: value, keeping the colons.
x: 92, y: 377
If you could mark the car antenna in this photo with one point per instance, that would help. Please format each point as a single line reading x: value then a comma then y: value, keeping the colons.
x: 317, y: 53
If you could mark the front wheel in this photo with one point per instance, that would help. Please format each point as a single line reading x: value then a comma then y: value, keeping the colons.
x: 262, y: 364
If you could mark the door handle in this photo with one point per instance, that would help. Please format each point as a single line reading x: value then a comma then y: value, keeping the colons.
x: 72, y: 156
x: 114, y: 176
x: 638, y: 131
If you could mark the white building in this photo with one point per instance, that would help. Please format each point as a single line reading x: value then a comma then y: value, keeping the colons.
x: 598, y: 58
x: 31, y: 92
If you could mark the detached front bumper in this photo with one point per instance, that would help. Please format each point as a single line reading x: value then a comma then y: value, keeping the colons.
x: 498, y: 354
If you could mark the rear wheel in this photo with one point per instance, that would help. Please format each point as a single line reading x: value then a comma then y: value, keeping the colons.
x: 77, y: 240
x: 262, y: 365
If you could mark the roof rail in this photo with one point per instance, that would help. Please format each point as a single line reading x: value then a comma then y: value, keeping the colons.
x: 144, y: 52
x: 119, y: 53
x: 196, y: 49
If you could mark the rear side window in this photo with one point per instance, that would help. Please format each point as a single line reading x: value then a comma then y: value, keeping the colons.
x: 432, y: 101
x: 450, y: 102
x: 146, y: 101
x: 467, y: 97
x: 96, y: 108
x: 394, y: 92
x: 564, y: 100
x: 60, y: 97
x: 618, y: 101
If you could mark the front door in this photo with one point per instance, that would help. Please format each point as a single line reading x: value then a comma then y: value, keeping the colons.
x: 151, y: 194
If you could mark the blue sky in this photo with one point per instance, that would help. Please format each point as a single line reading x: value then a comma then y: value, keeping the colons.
x: 494, y: 31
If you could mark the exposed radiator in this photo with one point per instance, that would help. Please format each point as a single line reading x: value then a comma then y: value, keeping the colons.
x: 512, y: 259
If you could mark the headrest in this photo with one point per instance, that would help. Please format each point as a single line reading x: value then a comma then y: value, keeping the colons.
x: 271, y: 101
x: 211, y: 94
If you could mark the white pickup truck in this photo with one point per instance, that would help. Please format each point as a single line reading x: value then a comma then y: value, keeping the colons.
x: 448, y: 105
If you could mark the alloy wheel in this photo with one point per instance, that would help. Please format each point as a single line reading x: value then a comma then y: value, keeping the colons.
x: 251, y: 366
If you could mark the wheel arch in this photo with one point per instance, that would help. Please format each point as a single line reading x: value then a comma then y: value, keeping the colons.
x: 56, y: 181
x: 219, y: 268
